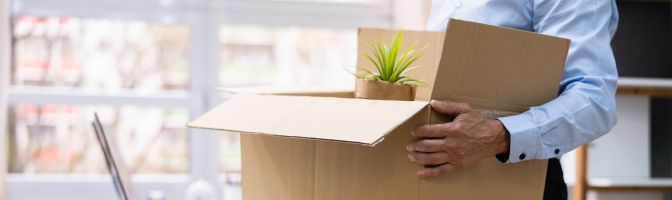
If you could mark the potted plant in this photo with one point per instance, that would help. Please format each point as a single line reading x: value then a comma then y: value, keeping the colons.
x: 391, y: 81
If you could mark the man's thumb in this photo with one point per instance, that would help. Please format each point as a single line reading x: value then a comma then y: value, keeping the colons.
x: 450, y: 108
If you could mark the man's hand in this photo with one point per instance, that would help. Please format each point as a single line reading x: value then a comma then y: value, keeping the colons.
x: 444, y: 148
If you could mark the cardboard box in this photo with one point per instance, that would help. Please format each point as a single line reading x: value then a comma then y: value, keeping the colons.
x: 327, y: 148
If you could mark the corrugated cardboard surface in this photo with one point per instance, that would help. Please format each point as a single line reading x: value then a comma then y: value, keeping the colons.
x: 277, y: 168
x: 489, y: 179
x: 292, y: 91
x: 290, y: 169
x: 496, y: 69
x: 488, y: 67
x: 350, y: 120
x: 499, y: 68
x: 348, y: 171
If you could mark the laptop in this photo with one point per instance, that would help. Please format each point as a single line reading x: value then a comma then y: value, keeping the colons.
x: 115, y: 164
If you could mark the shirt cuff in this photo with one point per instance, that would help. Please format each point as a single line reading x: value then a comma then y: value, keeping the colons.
x: 524, y: 137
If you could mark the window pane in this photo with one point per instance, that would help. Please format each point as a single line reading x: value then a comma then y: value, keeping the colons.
x: 286, y: 56
x: 230, y: 153
x: 60, y: 139
x: 339, y: 1
x: 100, y: 54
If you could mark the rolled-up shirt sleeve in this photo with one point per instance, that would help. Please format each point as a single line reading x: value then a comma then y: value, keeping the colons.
x: 585, y: 108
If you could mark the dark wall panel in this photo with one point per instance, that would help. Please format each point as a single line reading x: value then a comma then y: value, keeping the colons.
x: 643, y: 43
x: 661, y: 137
x: 643, y: 48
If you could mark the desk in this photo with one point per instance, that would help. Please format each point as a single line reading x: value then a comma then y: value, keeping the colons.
x: 650, y: 87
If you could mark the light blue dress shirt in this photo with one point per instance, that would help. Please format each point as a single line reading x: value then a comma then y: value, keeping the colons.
x: 585, y: 107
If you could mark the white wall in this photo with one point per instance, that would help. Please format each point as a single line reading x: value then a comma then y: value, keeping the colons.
x: 411, y: 15
x: 622, y: 153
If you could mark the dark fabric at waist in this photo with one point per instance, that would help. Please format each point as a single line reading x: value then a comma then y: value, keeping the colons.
x: 555, y: 187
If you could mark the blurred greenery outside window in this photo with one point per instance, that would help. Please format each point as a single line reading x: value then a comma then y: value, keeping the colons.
x: 253, y: 55
x: 337, y: 1
x: 102, y: 56
x: 125, y: 55
x: 59, y: 138
x: 286, y: 56
x: 105, y: 55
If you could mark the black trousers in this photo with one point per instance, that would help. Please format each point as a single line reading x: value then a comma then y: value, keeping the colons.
x: 555, y: 188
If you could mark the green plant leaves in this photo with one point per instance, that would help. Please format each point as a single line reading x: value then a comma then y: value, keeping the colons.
x: 391, y: 66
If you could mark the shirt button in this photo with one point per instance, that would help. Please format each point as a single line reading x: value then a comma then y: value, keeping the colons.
x: 522, y: 156
x: 557, y: 151
x: 458, y: 4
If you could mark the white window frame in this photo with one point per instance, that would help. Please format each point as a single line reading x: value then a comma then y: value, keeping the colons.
x: 5, y: 40
x: 203, y: 17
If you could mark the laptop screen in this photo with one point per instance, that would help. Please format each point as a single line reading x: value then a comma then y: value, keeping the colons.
x: 114, y: 162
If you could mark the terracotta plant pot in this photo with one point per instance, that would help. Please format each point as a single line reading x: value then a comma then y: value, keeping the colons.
x: 382, y: 90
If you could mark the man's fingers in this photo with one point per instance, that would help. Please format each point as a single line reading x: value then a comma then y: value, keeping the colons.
x: 450, y: 108
x: 428, y: 158
x: 432, y: 130
x: 427, y: 146
x: 436, y: 171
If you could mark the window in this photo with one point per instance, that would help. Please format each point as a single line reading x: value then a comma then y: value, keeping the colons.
x: 99, y: 54
x: 58, y: 139
x: 335, y: 1
x: 254, y: 55
x: 261, y: 55
x: 150, y: 66
x: 104, y: 56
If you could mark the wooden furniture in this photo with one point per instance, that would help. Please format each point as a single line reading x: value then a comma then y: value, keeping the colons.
x: 626, y: 86
x: 655, y: 87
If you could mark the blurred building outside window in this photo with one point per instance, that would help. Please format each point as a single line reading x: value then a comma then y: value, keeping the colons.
x: 103, y: 56
x: 99, y: 54
x: 285, y: 57
x: 337, y: 1
x: 58, y: 139
x: 85, y: 53
x: 72, y: 58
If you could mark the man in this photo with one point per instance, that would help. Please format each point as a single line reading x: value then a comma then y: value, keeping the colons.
x: 583, y: 111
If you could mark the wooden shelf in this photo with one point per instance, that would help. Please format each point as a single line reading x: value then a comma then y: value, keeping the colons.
x: 583, y: 184
x: 658, y: 87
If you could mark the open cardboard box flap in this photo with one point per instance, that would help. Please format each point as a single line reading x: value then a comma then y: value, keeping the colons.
x: 291, y: 91
x: 489, y: 67
x: 340, y: 119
